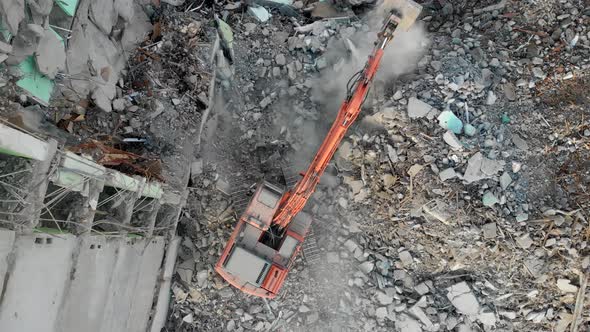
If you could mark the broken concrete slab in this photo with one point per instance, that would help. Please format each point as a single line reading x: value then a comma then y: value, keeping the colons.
x: 487, y: 318
x: 489, y: 231
x: 137, y: 28
x: 505, y: 180
x: 381, y: 313
x: 422, y: 288
x: 50, y: 54
x: 5, y: 48
x: 104, y: 15
x: 124, y: 8
x: 406, y: 258
x: 143, y: 293
x: 367, y: 267
x: 86, y: 298
x: 451, y: 139
x: 447, y: 174
x: 416, y: 311
x: 280, y: 59
x: 565, y: 286
x: 91, y: 55
x: 384, y: 298
x: 102, y: 97
x: 417, y: 108
x: 40, y: 7
x: 520, y: 143
x: 12, y: 12
x: 25, y: 43
x: 37, y: 280
x: 463, y: 299
x: 439, y: 210
x: 185, y: 270
x: 480, y: 167
x: 490, y: 167
x: 260, y: 13
x: 524, y: 241
x: 405, y: 323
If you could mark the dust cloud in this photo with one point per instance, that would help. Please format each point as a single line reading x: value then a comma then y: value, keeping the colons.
x: 347, y: 56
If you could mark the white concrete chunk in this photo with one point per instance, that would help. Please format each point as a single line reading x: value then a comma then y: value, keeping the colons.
x: 417, y: 108
x: 463, y: 299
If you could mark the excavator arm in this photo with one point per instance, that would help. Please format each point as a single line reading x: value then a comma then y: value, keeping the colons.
x: 294, y: 200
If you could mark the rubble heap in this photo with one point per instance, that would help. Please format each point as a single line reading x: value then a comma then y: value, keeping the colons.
x: 458, y: 202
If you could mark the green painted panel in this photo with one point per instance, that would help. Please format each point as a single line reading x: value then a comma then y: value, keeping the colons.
x: 33, y: 81
x: 68, y: 6
x: 12, y: 153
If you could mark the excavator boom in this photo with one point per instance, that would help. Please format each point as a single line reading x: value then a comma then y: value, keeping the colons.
x: 269, y: 234
x: 294, y: 200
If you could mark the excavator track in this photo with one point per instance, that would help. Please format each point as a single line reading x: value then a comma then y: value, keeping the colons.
x: 311, y: 251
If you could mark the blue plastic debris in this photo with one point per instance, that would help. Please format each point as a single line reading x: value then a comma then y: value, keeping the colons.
x: 469, y: 130
x: 448, y: 120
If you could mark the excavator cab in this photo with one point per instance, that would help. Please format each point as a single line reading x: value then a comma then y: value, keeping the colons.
x: 259, y: 255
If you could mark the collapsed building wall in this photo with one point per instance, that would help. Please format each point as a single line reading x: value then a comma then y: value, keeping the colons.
x: 74, y: 274
x: 71, y: 49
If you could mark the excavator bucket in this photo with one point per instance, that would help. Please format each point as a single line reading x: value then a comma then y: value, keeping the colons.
x: 406, y: 12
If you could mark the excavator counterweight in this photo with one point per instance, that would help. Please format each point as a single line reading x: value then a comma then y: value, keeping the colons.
x: 270, y: 232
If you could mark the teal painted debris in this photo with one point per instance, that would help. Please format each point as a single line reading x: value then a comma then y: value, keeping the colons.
x: 469, y: 130
x: 68, y: 6
x: 448, y: 120
x: 33, y: 81
x: 259, y: 12
x: 38, y: 85
x: 489, y: 199
x: 505, y: 118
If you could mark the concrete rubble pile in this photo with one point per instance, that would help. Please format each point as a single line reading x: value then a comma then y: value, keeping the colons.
x: 457, y: 203
x: 427, y: 198
x: 79, y: 46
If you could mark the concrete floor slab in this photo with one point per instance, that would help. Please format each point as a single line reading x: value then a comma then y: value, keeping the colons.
x: 6, y: 243
x: 145, y: 288
x: 36, y: 283
x: 85, y: 300
x: 120, y: 293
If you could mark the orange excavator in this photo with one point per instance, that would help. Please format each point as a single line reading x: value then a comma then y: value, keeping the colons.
x: 270, y: 232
